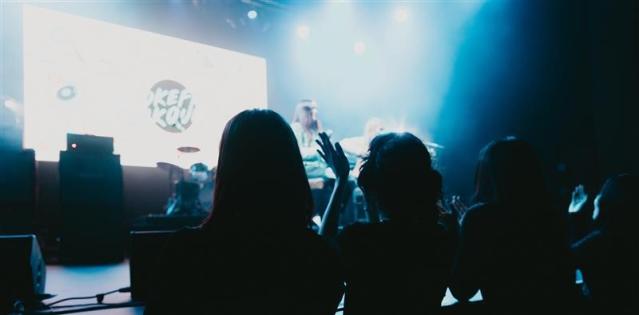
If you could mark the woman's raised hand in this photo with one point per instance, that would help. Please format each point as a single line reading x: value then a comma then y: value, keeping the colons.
x: 579, y: 199
x: 334, y: 156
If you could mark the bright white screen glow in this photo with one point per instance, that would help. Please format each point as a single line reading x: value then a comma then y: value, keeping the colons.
x: 112, y: 70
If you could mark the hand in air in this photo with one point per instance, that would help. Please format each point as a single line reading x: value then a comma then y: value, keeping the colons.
x: 579, y: 199
x: 458, y: 207
x: 334, y: 156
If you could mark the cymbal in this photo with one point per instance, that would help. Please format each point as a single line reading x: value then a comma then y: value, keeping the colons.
x: 188, y: 149
x: 169, y: 167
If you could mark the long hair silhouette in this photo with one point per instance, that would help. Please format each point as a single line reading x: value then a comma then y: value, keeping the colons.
x: 260, y: 177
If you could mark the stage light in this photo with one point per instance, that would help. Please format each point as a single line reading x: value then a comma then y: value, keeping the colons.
x: 359, y: 48
x: 303, y: 32
x: 252, y: 14
x: 11, y: 104
x: 400, y: 15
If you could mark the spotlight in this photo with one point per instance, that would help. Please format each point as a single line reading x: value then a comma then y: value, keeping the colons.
x: 359, y: 48
x: 400, y: 15
x: 252, y: 14
x: 11, y: 104
x: 303, y: 32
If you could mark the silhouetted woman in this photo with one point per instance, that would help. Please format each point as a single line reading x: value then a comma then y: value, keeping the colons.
x: 513, y: 245
x: 400, y: 261
x: 255, y: 254
x: 608, y: 256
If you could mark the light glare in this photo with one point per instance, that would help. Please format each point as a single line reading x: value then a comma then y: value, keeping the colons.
x: 303, y: 32
x: 359, y: 48
x: 400, y: 15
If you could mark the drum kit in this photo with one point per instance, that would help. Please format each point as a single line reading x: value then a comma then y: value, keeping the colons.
x: 189, y: 188
x: 192, y: 189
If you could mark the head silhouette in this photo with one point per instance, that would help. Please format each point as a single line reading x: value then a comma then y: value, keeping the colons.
x: 260, y: 178
x: 615, y: 205
x: 398, y: 179
x: 509, y: 173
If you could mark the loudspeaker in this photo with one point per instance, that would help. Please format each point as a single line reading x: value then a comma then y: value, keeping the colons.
x: 146, y: 247
x: 17, y: 191
x: 89, y: 144
x: 22, y: 270
x: 91, y: 197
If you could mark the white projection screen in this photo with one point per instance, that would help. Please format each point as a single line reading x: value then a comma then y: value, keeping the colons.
x: 151, y: 93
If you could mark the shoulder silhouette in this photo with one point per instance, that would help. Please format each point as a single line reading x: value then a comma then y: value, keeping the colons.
x: 512, y: 244
x: 398, y: 263
x: 607, y: 256
x: 255, y: 253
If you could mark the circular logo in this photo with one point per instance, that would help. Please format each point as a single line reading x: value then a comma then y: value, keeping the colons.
x: 171, y: 106
x: 67, y: 92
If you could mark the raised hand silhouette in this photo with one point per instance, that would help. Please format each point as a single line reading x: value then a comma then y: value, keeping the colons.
x: 579, y: 199
x: 334, y: 156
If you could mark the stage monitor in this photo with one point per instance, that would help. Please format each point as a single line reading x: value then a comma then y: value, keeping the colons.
x: 151, y: 93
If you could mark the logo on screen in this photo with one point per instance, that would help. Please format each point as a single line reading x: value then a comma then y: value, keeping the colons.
x: 171, y: 106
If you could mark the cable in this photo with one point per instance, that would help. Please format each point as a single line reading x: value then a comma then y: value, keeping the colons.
x: 75, y: 305
x: 70, y: 299
x: 99, y: 297
x: 86, y: 308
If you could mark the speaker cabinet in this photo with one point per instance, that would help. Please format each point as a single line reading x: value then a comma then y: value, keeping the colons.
x: 22, y: 270
x: 17, y: 191
x: 146, y: 246
x: 91, y: 198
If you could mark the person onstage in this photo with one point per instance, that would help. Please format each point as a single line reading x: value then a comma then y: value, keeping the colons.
x: 306, y: 127
x: 204, y: 178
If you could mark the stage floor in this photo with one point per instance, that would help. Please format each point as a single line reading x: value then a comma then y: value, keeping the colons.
x: 72, y: 281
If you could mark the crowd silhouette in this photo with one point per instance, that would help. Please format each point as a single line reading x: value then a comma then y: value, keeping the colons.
x: 513, y: 244
x: 257, y: 253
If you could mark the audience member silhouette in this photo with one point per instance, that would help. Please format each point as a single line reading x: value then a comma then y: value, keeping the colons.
x: 607, y: 256
x: 255, y: 253
x: 398, y: 263
x: 513, y: 244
